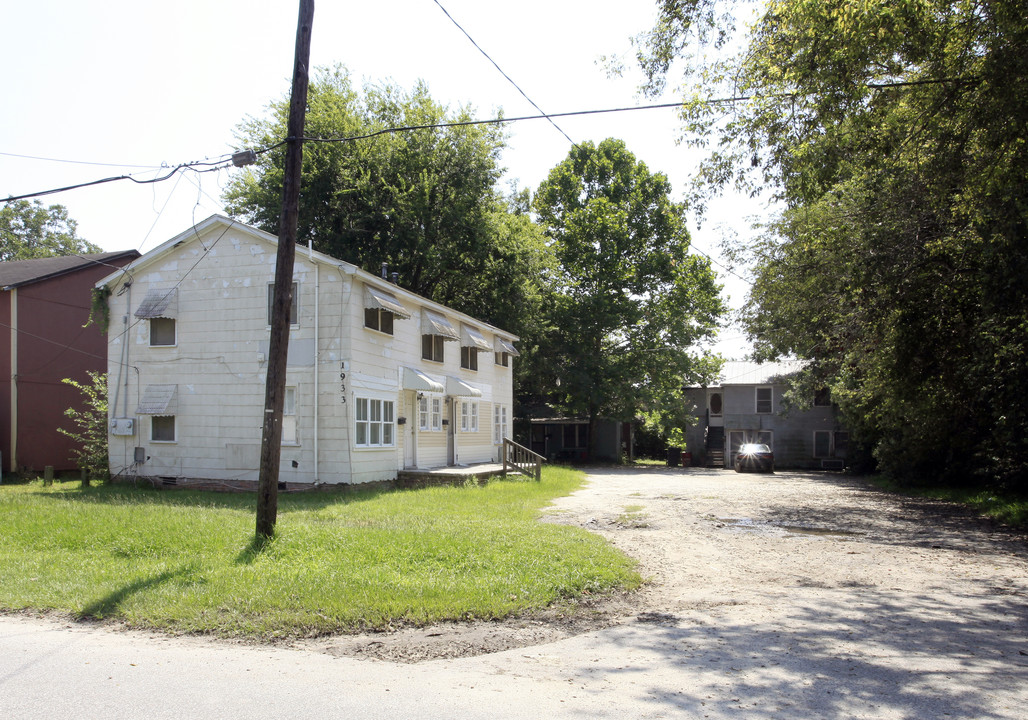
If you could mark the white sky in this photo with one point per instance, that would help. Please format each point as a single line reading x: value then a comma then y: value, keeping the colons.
x: 135, y: 84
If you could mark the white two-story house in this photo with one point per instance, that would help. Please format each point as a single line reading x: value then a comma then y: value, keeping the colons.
x: 378, y: 380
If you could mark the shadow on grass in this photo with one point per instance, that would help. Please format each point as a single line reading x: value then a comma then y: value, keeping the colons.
x: 121, y: 494
x: 111, y: 603
x: 257, y: 545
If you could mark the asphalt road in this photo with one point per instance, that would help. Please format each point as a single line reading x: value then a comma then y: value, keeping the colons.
x: 942, y: 632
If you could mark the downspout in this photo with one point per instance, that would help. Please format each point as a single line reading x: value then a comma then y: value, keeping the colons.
x: 317, y: 356
x: 14, y: 379
x: 125, y: 349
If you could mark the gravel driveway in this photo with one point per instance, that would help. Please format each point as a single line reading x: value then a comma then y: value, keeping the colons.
x: 790, y: 595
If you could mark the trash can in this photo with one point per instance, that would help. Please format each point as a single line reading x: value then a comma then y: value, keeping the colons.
x: 687, y: 459
x: 674, y: 456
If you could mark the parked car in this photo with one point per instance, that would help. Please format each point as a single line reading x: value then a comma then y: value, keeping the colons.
x: 755, y: 456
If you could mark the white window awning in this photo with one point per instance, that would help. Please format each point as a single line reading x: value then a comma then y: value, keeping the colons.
x: 159, y: 303
x: 382, y: 300
x: 417, y: 380
x: 472, y: 338
x: 432, y: 323
x: 157, y: 400
x: 502, y: 345
x: 456, y: 386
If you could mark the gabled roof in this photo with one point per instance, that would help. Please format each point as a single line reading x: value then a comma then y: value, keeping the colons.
x: 214, y: 222
x: 736, y: 372
x: 16, y: 273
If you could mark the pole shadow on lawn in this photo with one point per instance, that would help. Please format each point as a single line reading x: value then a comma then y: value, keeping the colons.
x: 109, y: 604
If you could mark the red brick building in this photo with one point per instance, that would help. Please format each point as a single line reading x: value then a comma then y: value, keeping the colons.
x: 44, y: 305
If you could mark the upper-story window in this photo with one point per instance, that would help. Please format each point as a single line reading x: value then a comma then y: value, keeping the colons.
x: 764, y: 404
x: 468, y: 358
x: 378, y: 319
x: 432, y: 348
x: 160, y: 307
x: 504, y: 349
x: 294, y: 303
x: 381, y: 308
x: 435, y: 331
x: 822, y: 397
x: 162, y: 332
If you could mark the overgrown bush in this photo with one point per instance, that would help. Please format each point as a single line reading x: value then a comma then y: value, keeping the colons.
x: 90, y: 423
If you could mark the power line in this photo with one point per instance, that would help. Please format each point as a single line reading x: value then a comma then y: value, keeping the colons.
x: 210, y: 167
x: 516, y: 87
x: 80, y: 162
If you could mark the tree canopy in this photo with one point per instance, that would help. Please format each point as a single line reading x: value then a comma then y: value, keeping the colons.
x: 894, y: 134
x: 628, y: 302
x: 423, y: 199
x: 30, y: 230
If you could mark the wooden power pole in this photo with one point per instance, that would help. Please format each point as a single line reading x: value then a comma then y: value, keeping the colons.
x: 274, y: 392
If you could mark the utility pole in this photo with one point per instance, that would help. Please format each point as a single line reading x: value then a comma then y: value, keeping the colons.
x: 278, y: 348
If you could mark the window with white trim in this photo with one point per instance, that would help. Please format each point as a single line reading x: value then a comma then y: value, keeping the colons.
x: 423, y: 417
x: 468, y: 416
x: 374, y: 422
x: 469, y: 358
x: 764, y: 404
x: 432, y: 347
x: 502, y: 358
x: 162, y: 428
x: 437, y: 414
x: 378, y: 319
x: 289, y: 416
x: 162, y: 332
x: 294, y: 312
x: 499, y: 423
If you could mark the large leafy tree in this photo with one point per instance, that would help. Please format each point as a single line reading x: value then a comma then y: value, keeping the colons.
x: 29, y: 230
x: 894, y: 134
x: 629, y: 302
x: 423, y: 200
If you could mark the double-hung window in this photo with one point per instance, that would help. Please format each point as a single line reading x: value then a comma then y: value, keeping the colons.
x: 294, y: 312
x: 764, y: 405
x: 437, y: 414
x: 378, y: 319
x: 432, y: 347
x: 423, y: 416
x: 499, y: 423
x: 375, y: 423
x: 468, y: 416
x: 469, y: 358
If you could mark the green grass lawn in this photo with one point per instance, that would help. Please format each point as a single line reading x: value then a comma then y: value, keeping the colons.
x: 187, y: 561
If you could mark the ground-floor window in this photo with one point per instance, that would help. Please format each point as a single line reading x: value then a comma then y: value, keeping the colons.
x: 468, y: 416
x: 162, y: 428
x: 830, y: 444
x: 375, y: 423
x: 289, y: 416
x: 499, y: 423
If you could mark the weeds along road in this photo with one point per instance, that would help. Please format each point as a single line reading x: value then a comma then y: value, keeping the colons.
x: 771, y: 596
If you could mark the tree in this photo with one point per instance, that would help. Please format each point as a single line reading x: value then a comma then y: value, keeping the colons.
x: 421, y: 200
x: 629, y: 301
x: 28, y: 230
x: 90, y: 426
x: 894, y: 136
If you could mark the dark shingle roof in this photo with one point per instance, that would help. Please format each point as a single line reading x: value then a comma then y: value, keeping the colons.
x: 24, y: 272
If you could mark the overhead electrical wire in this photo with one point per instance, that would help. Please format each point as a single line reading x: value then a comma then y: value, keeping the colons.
x: 495, y: 65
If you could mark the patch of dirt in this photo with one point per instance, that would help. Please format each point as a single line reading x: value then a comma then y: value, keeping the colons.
x: 707, y: 540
